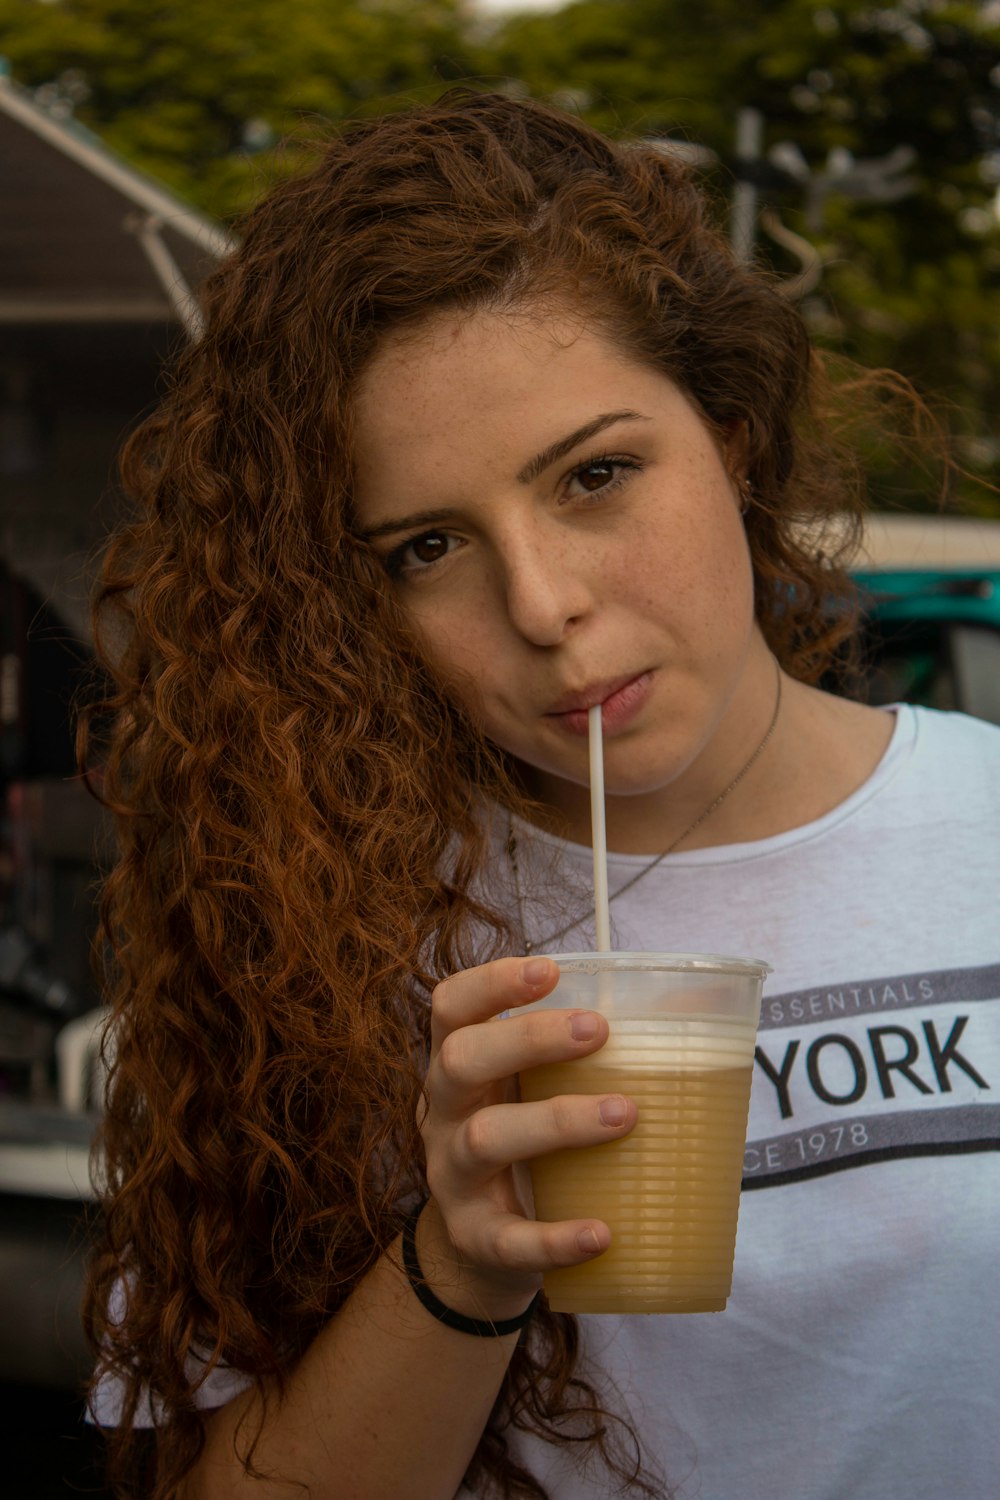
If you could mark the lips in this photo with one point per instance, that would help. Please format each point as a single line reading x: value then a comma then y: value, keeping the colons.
x: 598, y: 692
x: 620, y: 698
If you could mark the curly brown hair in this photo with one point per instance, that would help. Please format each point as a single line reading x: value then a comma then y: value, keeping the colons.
x: 298, y: 800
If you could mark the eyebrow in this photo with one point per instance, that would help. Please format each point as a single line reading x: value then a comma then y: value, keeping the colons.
x: 559, y: 449
x: 531, y: 470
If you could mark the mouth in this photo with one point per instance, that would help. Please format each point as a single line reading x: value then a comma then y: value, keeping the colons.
x: 620, y: 698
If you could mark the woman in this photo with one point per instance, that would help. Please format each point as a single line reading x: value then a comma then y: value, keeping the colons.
x: 488, y: 427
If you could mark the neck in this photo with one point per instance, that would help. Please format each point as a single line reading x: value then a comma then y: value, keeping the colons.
x: 821, y: 749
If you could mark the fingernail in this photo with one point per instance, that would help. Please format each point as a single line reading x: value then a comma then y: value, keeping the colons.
x: 588, y: 1241
x: 614, y: 1111
x: 583, y: 1028
x: 535, y: 971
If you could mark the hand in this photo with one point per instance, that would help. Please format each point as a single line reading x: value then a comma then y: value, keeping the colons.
x: 475, y: 1132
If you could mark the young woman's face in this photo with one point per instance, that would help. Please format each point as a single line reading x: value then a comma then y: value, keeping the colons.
x: 562, y: 529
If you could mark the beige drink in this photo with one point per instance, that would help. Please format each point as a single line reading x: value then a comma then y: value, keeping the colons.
x: 669, y: 1191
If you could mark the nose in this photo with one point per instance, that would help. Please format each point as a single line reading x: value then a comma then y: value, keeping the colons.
x: 548, y: 591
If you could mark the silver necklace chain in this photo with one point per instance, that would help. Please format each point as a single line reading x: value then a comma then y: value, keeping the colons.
x: 529, y: 946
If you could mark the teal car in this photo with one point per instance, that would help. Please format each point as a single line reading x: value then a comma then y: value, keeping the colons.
x: 932, y: 637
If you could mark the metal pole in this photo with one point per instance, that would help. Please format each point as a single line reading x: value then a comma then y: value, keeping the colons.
x: 749, y: 144
x: 168, y: 273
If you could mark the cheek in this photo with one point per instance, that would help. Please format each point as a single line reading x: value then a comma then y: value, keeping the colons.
x: 457, y: 648
x: 697, y: 576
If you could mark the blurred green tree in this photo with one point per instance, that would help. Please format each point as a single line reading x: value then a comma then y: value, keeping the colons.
x: 912, y: 283
x: 216, y: 99
x: 202, y: 95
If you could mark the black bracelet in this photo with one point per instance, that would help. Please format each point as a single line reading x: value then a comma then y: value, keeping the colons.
x: 480, y: 1327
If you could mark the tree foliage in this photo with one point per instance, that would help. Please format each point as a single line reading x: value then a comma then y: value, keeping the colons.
x: 212, y: 98
x: 912, y: 283
x: 204, y: 95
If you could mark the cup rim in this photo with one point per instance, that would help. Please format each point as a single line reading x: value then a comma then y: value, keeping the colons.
x: 673, y: 963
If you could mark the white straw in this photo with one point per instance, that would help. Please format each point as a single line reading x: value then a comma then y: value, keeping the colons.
x: 602, y: 916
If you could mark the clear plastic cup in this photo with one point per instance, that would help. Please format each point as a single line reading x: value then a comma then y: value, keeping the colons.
x: 681, y: 1044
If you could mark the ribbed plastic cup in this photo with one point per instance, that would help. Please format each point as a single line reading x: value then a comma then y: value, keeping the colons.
x: 681, y: 1044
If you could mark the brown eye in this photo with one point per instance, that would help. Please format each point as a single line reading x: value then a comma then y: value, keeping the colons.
x: 410, y: 559
x: 601, y: 477
x: 595, y: 476
x: 429, y: 548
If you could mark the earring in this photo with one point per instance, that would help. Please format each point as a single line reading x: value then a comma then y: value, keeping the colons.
x: 746, y: 496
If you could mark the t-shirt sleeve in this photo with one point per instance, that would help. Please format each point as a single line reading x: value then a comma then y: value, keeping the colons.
x: 107, y: 1399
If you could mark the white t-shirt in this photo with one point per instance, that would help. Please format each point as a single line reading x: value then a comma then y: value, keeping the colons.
x: 859, y: 1356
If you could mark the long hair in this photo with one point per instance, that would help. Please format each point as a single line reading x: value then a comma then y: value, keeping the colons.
x: 298, y: 800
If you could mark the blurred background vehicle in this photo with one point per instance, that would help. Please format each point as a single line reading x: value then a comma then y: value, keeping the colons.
x: 930, y: 589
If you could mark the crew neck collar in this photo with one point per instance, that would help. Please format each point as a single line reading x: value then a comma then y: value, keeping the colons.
x: 897, y: 753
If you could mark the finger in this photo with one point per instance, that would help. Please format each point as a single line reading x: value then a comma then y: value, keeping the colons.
x: 503, y: 1133
x: 474, y: 1056
x: 478, y: 994
x: 511, y: 1243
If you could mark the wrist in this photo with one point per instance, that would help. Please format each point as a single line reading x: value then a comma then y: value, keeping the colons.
x: 469, y: 1290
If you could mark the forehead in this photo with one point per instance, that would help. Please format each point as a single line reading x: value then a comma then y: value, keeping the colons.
x: 456, y: 343
x: 463, y: 392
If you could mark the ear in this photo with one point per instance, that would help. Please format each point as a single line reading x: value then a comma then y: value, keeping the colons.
x: 736, y: 450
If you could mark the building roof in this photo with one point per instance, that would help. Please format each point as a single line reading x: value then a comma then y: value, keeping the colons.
x: 84, y: 237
